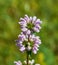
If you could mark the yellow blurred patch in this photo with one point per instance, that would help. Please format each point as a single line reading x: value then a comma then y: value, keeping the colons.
x: 41, y: 59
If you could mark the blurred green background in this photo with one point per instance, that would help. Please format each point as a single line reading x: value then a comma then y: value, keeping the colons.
x: 11, y: 11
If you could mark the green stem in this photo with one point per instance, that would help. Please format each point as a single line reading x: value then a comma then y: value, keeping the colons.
x: 27, y: 57
x: 27, y: 53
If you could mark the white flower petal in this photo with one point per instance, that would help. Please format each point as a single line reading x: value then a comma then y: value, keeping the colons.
x: 36, y: 29
x: 27, y: 18
x: 34, y: 51
x: 32, y: 61
x: 34, y: 19
x: 29, y: 48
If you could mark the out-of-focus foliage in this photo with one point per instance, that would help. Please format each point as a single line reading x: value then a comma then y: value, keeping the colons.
x: 11, y: 11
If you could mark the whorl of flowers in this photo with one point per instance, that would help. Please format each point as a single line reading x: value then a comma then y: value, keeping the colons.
x: 31, y: 62
x: 27, y: 40
x: 30, y: 24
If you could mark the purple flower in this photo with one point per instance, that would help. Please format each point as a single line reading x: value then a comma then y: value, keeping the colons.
x: 22, y: 48
x: 27, y: 40
x: 21, y: 39
x: 30, y: 23
x: 36, y: 43
x: 18, y: 62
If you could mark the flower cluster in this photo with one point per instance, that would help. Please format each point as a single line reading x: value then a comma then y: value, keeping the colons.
x: 30, y: 62
x: 29, y: 24
x: 27, y: 40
